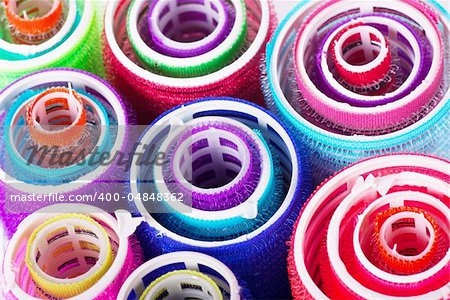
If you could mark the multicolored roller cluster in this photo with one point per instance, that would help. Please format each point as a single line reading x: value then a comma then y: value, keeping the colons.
x: 36, y: 35
x: 241, y: 180
x: 160, y: 54
x: 378, y: 229
x: 49, y: 114
x: 360, y: 78
x: 211, y: 200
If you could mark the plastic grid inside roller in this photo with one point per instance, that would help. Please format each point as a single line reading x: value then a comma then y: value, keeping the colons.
x: 326, y: 278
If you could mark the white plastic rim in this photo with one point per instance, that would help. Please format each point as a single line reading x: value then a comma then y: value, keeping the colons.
x: 364, y: 32
x: 79, y: 82
x: 62, y: 50
x: 400, y: 29
x: 135, y: 11
x: 346, y: 5
x: 3, y: 245
x: 22, y: 108
x: 394, y: 201
x: 40, y: 240
x: 358, y: 192
x: 226, y: 71
x: 173, y: 282
x: 350, y: 176
x: 291, y: 25
x: 27, y: 50
x: 247, y: 209
x: 206, y: 9
x: 191, y: 260
x: 123, y: 226
x: 186, y: 113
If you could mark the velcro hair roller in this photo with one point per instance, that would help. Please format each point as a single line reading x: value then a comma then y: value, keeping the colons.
x: 375, y: 230
x: 40, y: 34
x: 74, y: 251
x: 361, y: 78
x: 52, y: 124
x: 163, y: 53
x: 229, y: 186
x: 181, y: 275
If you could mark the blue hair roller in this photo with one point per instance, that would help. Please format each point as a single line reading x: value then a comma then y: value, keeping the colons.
x: 255, y: 252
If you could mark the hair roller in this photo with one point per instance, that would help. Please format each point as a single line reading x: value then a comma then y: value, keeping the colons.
x: 381, y: 230
x: 239, y: 177
x: 32, y: 18
x: 183, y: 274
x: 145, y: 68
x: 52, y: 123
x: 327, y: 77
x: 37, y: 35
x: 73, y: 241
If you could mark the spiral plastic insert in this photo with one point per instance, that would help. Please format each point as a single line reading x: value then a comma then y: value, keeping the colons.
x: 74, y: 251
x: 381, y: 228
x: 67, y: 254
x: 183, y: 284
x: 182, y: 275
x: 217, y: 164
x: 56, y: 117
x: 217, y: 54
x: 361, y: 55
x: 348, y: 116
x: 33, y: 17
x: 204, y: 62
x: 71, y: 249
x: 232, y: 163
x: 407, y: 238
x: 224, y: 170
x: 377, y: 81
x: 187, y: 28
x: 362, y: 78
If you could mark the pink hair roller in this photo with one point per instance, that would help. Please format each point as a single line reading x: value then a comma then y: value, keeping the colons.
x: 102, y: 120
x: 393, y: 207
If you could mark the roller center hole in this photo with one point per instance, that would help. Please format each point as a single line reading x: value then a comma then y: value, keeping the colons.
x: 214, y: 160
x: 57, y: 110
x: 407, y: 237
x: 68, y: 253
x: 360, y: 48
x: 188, y: 21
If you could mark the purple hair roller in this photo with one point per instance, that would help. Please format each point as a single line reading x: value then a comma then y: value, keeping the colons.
x: 188, y: 28
x: 217, y: 162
